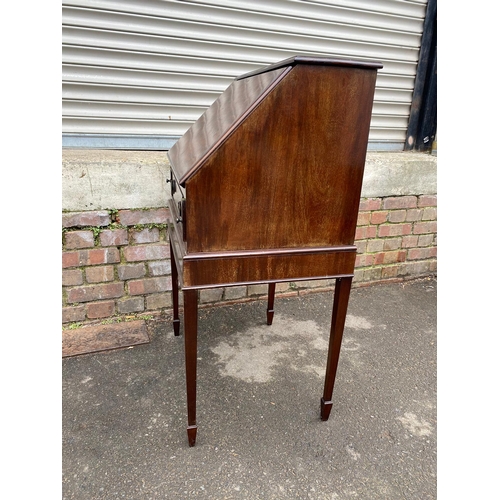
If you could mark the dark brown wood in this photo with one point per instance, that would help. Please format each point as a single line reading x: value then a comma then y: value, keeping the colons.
x: 266, y: 268
x: 219, y: 121
x: 270, y: 303
x: 265, y: 188
x: 175, y: 292
x: 305, y: 59
x: 340, y: 302
x: 308, y: 194
x: 178, y: 239
x: 190, y: 352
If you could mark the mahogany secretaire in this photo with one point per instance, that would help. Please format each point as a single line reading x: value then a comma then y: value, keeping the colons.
x: 265, y: 187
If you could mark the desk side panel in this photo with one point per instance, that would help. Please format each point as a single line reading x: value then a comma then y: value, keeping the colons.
x: 291, y: 174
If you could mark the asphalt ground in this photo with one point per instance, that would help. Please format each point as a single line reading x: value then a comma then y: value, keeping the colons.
x: 259, y: 388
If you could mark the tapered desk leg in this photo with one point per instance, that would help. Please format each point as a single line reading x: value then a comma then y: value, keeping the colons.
x: 270, y: 303
x: 340, y: 302
x: 175, y: 292
x: 190, y: 343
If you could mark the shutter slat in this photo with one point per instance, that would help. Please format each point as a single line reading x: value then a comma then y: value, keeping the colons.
x: 150, y: 68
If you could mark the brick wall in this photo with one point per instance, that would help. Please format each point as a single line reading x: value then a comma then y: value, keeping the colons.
x: 115, y: 264
x: 118, y: 262
x: 396, y: 238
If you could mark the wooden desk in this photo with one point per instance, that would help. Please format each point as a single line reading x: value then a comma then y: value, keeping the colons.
x: 265, y: 188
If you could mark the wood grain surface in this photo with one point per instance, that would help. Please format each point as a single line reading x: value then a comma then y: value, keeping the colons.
x: 97, y: 338
x: 291, y: 173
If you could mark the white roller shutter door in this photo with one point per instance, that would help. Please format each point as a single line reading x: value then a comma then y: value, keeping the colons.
x: 137, y: 74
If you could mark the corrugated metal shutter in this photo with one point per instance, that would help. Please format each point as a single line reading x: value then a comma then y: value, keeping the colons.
x: 137, y: 74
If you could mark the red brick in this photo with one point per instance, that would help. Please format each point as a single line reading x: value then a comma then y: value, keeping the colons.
x: 425, y: 227
x: 394, y: 230
x: 146, y: 252
x: 148, y: 235
x: 430, y: 213
x: 99, y: 256
x: 150, y: 285
x: 392, y: 244
x: 364, y: 232
x: 364, y: 260
x: 90, y: 257
x: 113, y: 237
x: 100, y: 274
x: 409, y: 241
x: 397, y: 216
x: 363, y: 218
x: 390, y: 257
x: 400, y: 202
x: 367, y: 204
x: 379, y: 217
x: 133, y: 217
x: 70, y: 259
x: 100, y: 309
x: 72, y: 314
x: 159, y: 267
x: 413, y: 214
x: 131, y: 271
x: 97, y: 218
x: 427, y: 201
x: 422, y: 253
x: 361, y: 246
x: 425, y: 240
x: 72, y: 277
x: 95, y: 292
x: 360, y: 233
x: 79, y: 239
x: 375, y: 245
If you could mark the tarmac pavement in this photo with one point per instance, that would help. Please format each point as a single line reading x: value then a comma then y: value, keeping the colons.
x: 259, y: 387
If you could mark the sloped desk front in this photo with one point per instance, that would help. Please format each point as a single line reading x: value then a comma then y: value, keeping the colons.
x: 265, y: 188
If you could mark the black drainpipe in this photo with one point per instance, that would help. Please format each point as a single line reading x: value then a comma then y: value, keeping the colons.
x: 422, y: 124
